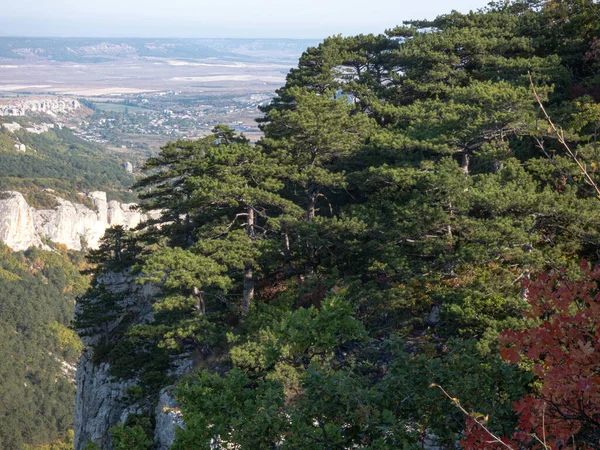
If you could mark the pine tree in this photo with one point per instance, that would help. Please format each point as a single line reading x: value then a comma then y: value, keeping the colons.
x: 312, y: 140
x: 228, y: 193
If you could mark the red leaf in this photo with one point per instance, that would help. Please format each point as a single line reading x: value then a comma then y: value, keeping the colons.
x: 510, y: 355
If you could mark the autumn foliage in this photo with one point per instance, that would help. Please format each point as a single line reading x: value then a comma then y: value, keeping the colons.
x: 563, y: 351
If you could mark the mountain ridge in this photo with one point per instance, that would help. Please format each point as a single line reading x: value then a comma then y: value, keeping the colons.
x: 97, y: 50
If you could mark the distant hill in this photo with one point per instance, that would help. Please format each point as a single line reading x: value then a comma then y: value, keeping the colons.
x: 96, y: 50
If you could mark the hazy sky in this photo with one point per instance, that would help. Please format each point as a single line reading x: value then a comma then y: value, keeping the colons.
x: 216, y: 18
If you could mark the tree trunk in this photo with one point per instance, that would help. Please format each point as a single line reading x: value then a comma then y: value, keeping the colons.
x: 287, y: 253
x: 497, y: 165
x: 248, y: 293
x: 312, y: 195
x: 189, y: 234
x: 200, y: 307
x: 118, y: 248
x: 466, y: 159
x: 248, y: 287
x: 450, y: 217
x: 526, y: 274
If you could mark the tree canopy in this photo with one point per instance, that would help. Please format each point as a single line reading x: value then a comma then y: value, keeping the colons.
x: 380, y: 236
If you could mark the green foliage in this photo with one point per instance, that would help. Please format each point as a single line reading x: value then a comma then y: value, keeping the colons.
x: 117, y: 250
x: 98, y: 308
x: 183, y: 270
x: 298, y: 340
x: 91, y: 446
x: 60, y: 161
x: 230, y: 410
x: 38, y: 290
x: 130, y: 352
x: 318, y: 389
x: 313, y: 137
x: 376, y: 239
x: 135, y: 435
x: 65, y: 444
x: 69, y: 342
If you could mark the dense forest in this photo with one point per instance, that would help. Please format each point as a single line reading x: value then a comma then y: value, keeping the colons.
x: 405, y: 259
x: 59, y: 160
x: 38, y: 349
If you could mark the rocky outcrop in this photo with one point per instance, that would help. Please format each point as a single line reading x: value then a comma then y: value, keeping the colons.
x: 71, y: 224
x: 102, y: 400
x: 12, y: 127
x: 52, y: 106
x: 168, y: 418
x: 98, y: 403
x: 40, y: 128
x: 17, y: 222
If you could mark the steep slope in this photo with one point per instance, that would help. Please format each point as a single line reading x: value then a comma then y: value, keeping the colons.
x: 38, y: 350
x: 104, y: 397
x: 54, y: 158
x: 43, y: 217
x: 373, y: 246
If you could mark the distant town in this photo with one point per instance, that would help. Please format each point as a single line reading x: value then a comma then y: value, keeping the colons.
x: 144, y: 121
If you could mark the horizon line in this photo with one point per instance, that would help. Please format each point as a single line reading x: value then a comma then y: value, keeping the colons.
x: 163, y: 37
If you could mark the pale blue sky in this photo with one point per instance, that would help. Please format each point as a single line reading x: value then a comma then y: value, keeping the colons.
x: 216, y: 18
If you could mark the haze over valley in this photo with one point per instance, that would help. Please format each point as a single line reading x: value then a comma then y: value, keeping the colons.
x: 169, y: 88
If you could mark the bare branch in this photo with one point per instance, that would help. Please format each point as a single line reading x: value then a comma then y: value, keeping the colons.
x: 561, y: 138
x: 466, y: 413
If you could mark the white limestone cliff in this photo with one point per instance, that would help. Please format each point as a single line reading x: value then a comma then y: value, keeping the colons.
x: 71, y: 224
x: 17, y: 226
x: 52, y: 106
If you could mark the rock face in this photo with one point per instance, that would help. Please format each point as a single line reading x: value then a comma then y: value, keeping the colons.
x: 12, y: 127
x: 52, y: 106
x: 17, y: 222
x: 98, y: 403
x: 168, y: 419
x: 71, y: 224
x: 101, y: 401
x: 40, y: 128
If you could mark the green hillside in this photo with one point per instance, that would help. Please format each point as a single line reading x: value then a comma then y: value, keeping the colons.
x: 37, y: 294
x: 61, y: 161
x: 38, y: 289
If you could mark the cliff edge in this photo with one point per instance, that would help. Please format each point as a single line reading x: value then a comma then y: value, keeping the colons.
x: 72, y: 224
